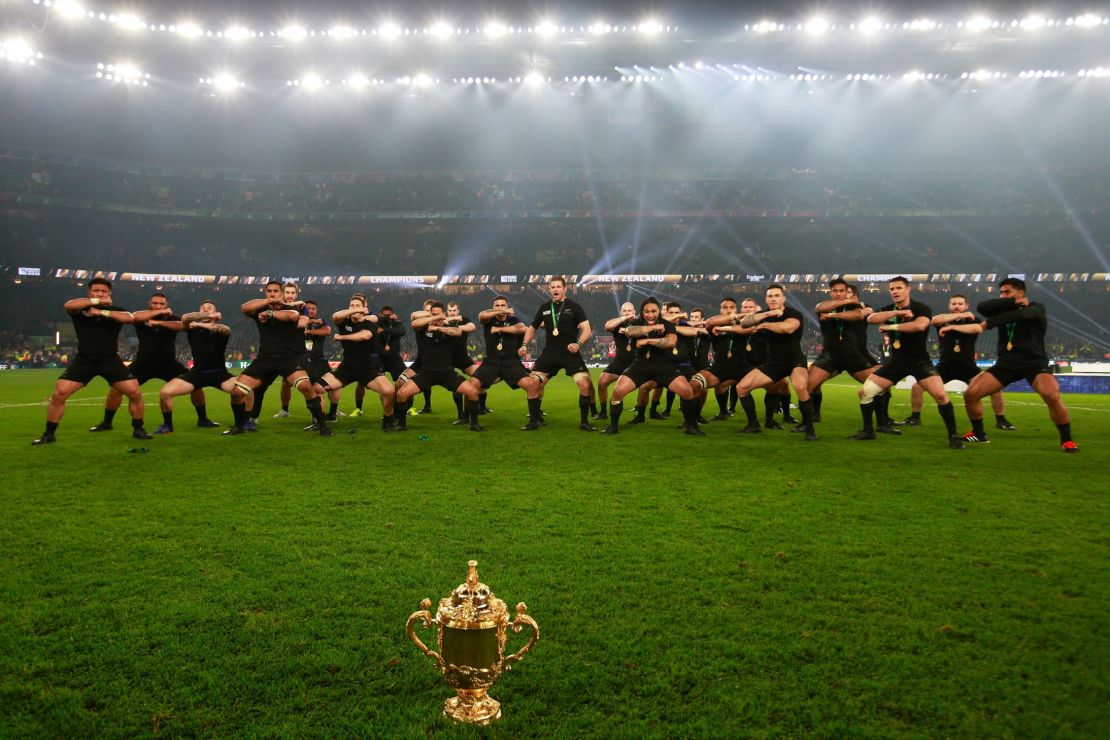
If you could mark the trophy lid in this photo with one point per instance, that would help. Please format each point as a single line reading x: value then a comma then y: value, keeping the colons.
x: 472, y: 605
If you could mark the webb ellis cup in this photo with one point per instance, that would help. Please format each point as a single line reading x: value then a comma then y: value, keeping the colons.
x: 473, y: 627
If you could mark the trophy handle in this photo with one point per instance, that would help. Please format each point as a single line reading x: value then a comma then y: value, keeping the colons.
x: 517, y: 625
x: 426, y: 618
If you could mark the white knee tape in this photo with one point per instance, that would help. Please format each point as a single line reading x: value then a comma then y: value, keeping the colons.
x: 870, y: 390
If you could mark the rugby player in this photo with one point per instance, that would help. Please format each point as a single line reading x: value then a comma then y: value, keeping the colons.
x: 97, y: 323
x: 905, y: 324
x: 1021, y: 325
x: 568, y: 330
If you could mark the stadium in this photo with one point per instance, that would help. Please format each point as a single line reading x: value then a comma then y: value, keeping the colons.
x: 243, y: 561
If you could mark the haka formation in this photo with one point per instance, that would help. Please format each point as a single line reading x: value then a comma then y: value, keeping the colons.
x: 742, y: 348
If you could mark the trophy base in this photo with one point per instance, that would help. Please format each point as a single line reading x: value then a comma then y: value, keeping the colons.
x: 472, y: 706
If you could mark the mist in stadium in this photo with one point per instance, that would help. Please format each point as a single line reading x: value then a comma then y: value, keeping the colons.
x: 747, y: 347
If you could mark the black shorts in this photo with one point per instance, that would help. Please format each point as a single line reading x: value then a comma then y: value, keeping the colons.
x: 686, y: 371
x: 1010, y: 372
x: 414, y: 368
x: 392, y: 364
x: 643, y: 372
x: 461, y: 362
x: 894, y: 370
x: 510, y: 372
x: 842, y: 361
x: 552, y: 361
x: 616, y: 367
x: 872, y: 361
x: 964, y: 371
x: 213, y: 378
x: 734, y: 371
x: 449, y: 379
x: 82, y: 370
x: 268, y: 370
x: 347, y: 373
x: 780, y: 369
x: 144, y: 371
x: 317, y: 369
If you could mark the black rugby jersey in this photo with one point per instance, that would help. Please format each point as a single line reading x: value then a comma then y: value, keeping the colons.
x: 957, y: 347
x: 650, y: 354
x: 912, y: 346
x: 157, y: 344
x: 784, y: 346
x: 356, y: 353
x: 97, y: 336
x: 1021, y: 329
x: 507, y: 342
x: 209, y: 349
x: 562, y: 317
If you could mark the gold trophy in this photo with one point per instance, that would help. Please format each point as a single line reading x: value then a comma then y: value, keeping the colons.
x: 472, y: 633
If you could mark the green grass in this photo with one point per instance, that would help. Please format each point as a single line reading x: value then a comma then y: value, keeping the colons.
x: 733, y: 585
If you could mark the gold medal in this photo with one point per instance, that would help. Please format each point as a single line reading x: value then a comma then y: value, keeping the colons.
x: 308, y: 344
x: 748, y: 348
x: 648, y: 355
x: 387, y: 348
x: 555, y: 332
x: 1009, y: 345
x: 500, y: 346
x: 674, y: 351
x: 957, y: 348
x: 897, y: 344
x: 730, y: 354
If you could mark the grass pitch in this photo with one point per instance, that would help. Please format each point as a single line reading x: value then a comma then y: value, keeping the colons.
x: 729, y: 586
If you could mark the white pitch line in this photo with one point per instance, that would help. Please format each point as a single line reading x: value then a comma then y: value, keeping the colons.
x: 82, y: 402
x: 1009, y: 397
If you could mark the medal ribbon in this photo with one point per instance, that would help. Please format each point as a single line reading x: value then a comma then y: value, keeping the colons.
x: 1010, y: 334
x: 554, y: 319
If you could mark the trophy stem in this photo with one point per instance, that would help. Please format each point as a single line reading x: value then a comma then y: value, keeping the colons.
x: 472, y: 706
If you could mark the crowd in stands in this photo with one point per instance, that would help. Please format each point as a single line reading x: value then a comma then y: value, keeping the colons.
x: 136, y: 185
x: 58, y: 237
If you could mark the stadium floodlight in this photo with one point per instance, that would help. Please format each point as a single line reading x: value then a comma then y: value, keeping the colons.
x: 442, y: 30
x: 189, y: 30
x: 817, y: 25
x: 533, y: 79
x: 236, y: 33
x: 225, y: 83
x: 495, y: 29
x: 312, y: 82
x: 422, y: 80
x: 651, y: 27
x: 342, y: 32
x: 921, y: 24
x: 766, y: 26
x: 389, y: 30
x: 17, y: 49
x: 546, y: 28
x: 1087, y: 21
x: 357, y: 81
x: 870, y: 25
x: 978, y: 23
x: 128, y: 22
x: 125, y: 72
x: 69, y: 8
x: 598, y: 28
x: 293, y: 33
x: 1033, y: 22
